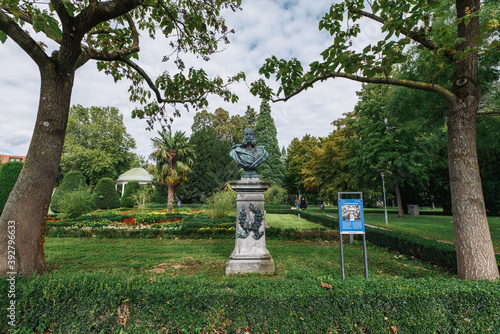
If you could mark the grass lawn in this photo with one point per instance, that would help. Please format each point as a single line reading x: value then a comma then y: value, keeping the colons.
x: 435, y: 227
x: 291, y: 222
x: 207, y: 258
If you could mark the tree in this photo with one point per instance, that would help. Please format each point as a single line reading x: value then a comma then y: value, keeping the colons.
x: 457, y: 43
x: 105, y: 194
x: 298, y: 153
x: 108, y: 32
x: 226, y: 128
x: 174, y: 157
x: 213, y: 167
x: 9, y: 172
x: 273, y: 168
x: 97, y: 144
x: 383, y: 144
x: 327, y: 171
x: 72, y: 181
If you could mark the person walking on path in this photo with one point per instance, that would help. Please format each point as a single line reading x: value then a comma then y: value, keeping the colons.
x: 297, y: 203
x: 303, y: 204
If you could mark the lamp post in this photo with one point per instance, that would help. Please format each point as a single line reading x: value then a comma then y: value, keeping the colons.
x: 383, y: 186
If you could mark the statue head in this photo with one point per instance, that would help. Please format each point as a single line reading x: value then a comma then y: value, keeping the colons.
x: 249, y: 138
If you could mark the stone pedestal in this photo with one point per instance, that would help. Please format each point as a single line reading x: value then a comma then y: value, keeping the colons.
x: 250, y: 254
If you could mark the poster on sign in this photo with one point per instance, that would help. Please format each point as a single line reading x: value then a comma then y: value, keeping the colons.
x: 351, y: 219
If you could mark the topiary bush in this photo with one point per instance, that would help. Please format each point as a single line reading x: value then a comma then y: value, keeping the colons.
x: 130, y: 189
x: 9, y: 172
x: 105, y: 195
x: 72, y: 181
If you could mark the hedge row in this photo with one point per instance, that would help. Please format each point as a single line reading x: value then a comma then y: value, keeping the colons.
x: 114, y: 302
x: 440, y: 253
x: 313, y: 217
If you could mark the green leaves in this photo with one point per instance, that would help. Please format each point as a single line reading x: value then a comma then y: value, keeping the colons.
x: 46, y: 23
x: 3, y: 37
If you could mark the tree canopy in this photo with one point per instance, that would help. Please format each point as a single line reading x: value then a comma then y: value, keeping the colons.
x: 272, y: 169
x: 97, y: 143
x: 454, y: 45
x: 173, y: 156
x: 62, y: 36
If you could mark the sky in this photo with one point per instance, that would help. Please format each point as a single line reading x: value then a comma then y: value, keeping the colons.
x: 283, y: 28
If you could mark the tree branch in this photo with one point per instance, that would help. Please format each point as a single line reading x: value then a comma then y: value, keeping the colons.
x: 445, y: 93
x: 119, y: 55
x: 420, y: 38
x: 98, y: 12
x: 62, y: 13
x: 23, y: 39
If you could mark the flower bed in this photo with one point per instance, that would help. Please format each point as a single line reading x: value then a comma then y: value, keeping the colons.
x: 131, y: 223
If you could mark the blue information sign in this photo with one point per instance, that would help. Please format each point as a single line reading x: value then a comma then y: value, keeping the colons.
x: 351, y: 218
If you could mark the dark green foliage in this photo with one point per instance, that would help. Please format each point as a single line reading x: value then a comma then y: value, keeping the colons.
x: 105, y: 195
x: 9, y: 173
x: 212, y: 169
x: 130, y: 189
x: 101, y: 302
x: 160, y: 194
x: 72, y: 181
x: 273, y: 169
x: 488, y: 150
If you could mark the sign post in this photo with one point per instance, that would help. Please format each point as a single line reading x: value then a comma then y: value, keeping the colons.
x: 351, y: 221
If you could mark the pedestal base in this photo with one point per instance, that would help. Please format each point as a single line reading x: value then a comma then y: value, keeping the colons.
x: 249, y: 265
x: 250, y: 254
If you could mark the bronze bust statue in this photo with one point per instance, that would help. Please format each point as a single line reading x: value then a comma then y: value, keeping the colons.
x: 248, y: 155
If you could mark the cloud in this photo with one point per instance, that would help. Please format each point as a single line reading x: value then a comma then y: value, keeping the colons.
x: 264, y: 28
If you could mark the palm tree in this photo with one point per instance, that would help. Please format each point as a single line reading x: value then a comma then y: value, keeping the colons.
x: 174, y: 157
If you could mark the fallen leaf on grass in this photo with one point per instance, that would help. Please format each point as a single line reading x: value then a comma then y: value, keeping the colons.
x: 326, y: 286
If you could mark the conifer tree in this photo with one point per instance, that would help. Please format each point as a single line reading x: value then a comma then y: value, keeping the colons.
x: 273, y: 169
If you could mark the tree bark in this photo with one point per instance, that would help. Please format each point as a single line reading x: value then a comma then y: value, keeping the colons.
x: 475, y: 253
x: 171, y: 190
x: 29, y: 200
x: 398, y: 195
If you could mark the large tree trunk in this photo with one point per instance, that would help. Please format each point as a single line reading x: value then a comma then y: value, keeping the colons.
x: 475, y: 254
x: 29, y: 200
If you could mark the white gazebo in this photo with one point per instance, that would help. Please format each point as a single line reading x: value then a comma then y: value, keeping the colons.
x: 135, y: 174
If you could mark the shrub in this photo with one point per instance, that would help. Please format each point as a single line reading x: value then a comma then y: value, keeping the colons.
x: 221, y: 203
x: 105, y: 195
x: 275, y: 195
x: 130, y: 189
x: 142, y: 197
x: 111, y: 303
x: 72, y: 181
x: 9, y: 172
x: 160, y: 194
x: 76, y: 203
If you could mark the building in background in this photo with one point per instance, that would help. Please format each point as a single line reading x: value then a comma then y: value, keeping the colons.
x: 6, y: 158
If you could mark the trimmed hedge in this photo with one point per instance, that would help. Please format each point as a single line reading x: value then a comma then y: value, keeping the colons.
x: 440, y: 253
x: 313, y: 217
x: 115, y: 302
x: 72, y: 181
x: 105, y: 194
x: 9, y: 172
